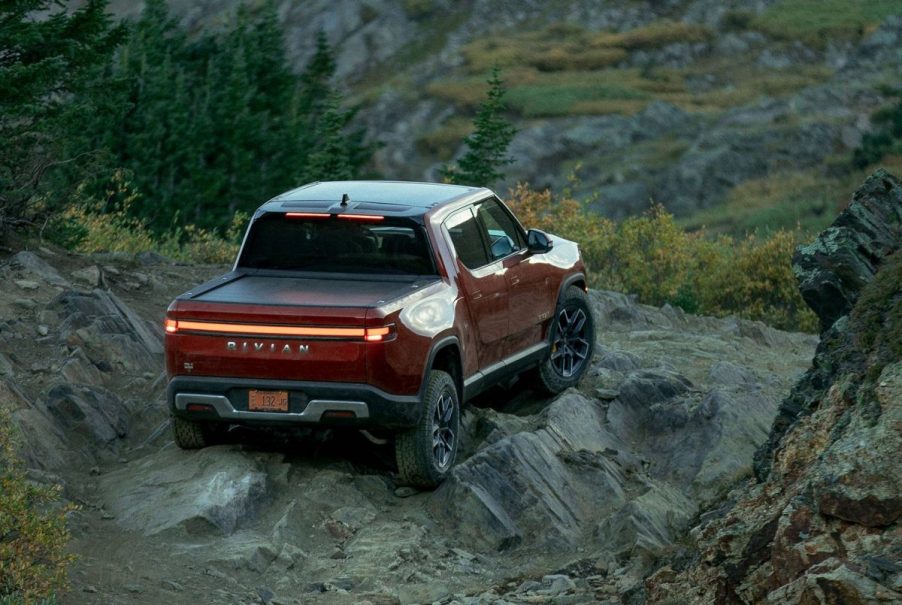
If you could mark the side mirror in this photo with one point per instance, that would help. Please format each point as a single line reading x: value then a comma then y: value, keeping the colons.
x: 538, y: 241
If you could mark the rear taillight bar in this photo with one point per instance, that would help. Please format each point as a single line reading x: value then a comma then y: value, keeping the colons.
x: 173, y: 326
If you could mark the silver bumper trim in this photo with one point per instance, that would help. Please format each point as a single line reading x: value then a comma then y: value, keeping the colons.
x: 312, y: 413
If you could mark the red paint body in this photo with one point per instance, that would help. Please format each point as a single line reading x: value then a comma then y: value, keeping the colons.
x: 487, y: 315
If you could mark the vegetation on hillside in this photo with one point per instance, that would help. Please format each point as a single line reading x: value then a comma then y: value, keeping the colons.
x: 653, y: 257
x: 33, y: 534
x: 201, y: 127
x: 886, y: 139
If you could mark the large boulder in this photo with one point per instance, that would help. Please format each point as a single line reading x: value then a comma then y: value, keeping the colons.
x: 834, y: 268
x: 213, y: 489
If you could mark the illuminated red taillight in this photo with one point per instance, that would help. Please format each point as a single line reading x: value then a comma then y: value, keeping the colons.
x: 361, y: 217
x: 377, y: 334
x: 171, y: 326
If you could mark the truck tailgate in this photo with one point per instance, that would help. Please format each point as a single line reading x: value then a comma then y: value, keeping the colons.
x: 265, y: 326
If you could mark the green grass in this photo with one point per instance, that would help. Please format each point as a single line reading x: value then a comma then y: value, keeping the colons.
x: 545, y: 100
x: 817, y: 22
x: 807, y: 201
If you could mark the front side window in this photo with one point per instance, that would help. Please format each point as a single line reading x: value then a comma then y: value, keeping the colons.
x: 466, y: 236
x: 504, y: 236
x: 337, y: 245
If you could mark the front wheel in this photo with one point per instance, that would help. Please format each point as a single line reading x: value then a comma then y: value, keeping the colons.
x: 572, y: 343
x: 426, y: 452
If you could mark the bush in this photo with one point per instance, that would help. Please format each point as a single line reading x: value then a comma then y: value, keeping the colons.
x: 653, y: 257
x: 33, y: 534
x: 90, y: 225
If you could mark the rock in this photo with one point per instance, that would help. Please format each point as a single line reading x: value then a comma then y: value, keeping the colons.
x: 210, y: 490
x: 34, y: 264
x: 832, y: 272
x: 406, y: 491
x: 92, y: 417
x: 520, y: 489
x: 858, y: 478
x: 25, y: 303
x: 27, y: 284
x: 558, y: 584
x: 835, y: 267
x: 43, y: 330
x: 6, y: 367
x: 89, y: 275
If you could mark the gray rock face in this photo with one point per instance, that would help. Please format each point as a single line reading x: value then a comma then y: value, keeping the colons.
x: 555, y: 478
x: 832, y: 271
x: 210, y: 490
x: 834, y: 268
x: 822, y: 524
x: 35, y: 265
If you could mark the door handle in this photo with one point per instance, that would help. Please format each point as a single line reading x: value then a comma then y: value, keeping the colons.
x: 515, y: 281
x: 476, y: 295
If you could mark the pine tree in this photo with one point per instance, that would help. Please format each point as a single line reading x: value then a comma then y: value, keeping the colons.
x: 330, y: 158
x: 487, y: 146
x: 43, y: 65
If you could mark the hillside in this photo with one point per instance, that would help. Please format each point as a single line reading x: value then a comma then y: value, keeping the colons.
x: 736, y: 115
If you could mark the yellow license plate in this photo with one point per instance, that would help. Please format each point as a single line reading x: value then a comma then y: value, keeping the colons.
x: 267, y: 401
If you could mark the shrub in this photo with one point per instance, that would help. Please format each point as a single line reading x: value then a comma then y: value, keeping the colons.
x: 653, y: 257
x: 33, y: 534
x: 90, y: 225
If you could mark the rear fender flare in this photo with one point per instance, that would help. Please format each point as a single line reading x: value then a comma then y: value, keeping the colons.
x: 437, y: 347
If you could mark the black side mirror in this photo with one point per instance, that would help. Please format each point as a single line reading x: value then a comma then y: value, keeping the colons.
x: 538, y: 241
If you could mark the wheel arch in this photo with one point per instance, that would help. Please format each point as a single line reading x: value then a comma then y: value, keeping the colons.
x: 445, y: 355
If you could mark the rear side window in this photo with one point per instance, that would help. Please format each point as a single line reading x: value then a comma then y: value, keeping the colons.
x: 466, y: 236
x: 334, y: 245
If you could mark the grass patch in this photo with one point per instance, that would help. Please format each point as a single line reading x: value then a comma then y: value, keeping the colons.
x: 804, y: 201
x: 536, y: 93
x: 547, y: 100
x: 655, y: 35
x: 569, y: 47
x: 817, y: 22
x: 444, y: 141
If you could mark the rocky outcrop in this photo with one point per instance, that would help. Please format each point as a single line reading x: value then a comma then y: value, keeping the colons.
x: 833, y: 269
x: 832, y: 272
x: 822, y: 525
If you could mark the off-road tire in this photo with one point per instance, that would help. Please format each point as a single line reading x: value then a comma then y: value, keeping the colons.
x: 550, y: 378
x: 193, y: 435
x: 417, y: 450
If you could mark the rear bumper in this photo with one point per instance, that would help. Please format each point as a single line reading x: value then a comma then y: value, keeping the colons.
x: 317, y: 403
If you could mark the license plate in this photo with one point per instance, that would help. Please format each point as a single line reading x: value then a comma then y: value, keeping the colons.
x: 267, y: 401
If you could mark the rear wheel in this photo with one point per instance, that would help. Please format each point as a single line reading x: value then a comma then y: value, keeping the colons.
x: 426, y: 452
x: 194, y: 435
x: 572, y: 343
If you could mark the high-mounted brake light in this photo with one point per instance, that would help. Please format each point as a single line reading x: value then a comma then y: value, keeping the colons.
x: 171, y: 326
x: 361, y: 217
x: 306, y: 215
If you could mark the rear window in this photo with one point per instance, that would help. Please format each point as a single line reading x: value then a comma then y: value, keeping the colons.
x: 333, y: 245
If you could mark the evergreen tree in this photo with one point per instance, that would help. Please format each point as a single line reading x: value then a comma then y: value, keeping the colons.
x: 43, y: 64
x: 330, y: 159
x: 487, y: 146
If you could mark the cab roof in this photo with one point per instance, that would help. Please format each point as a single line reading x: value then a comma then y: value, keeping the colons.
x: 386, y: 198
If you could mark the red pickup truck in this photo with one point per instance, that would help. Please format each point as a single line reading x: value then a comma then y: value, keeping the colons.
x: 377, y: 305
